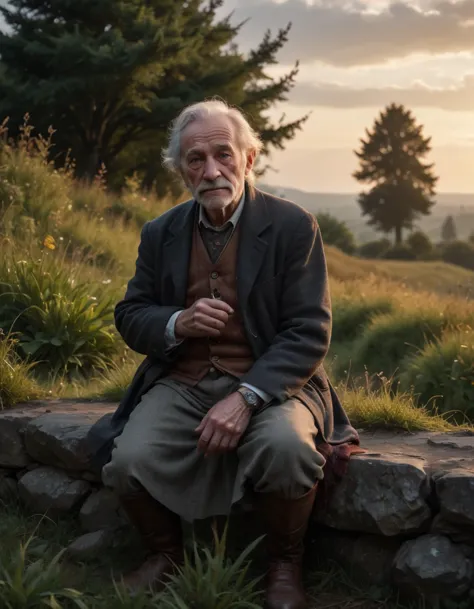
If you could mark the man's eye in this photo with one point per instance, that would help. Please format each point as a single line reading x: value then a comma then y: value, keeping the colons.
x: 224, y: 155
x: 194, y: 162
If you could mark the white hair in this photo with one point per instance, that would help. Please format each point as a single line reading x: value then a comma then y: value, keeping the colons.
x: 247, y: 137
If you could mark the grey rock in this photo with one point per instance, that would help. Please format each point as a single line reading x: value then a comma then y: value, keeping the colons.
x: 12, y: 449
x: 47, y: 489
x: 101, y: 511
x: 432, y: 565
x: 458, y: 534
x: 58, y: 440
x: 455, y: 491
x: 8, y: 488
x: 88, y: 545
x: 381, y: 494
x: 459, y: 440
x: 367, y: 558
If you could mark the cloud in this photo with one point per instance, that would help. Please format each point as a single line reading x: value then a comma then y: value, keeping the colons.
x: 349, y: 34
x: 460, y: 98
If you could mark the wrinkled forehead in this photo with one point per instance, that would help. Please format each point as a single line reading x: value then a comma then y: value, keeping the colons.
x: 207, y: 134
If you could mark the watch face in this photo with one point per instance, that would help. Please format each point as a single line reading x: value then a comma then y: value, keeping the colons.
x: 251, y: 398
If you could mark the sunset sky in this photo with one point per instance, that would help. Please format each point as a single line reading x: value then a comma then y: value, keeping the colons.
x: 356, y: 56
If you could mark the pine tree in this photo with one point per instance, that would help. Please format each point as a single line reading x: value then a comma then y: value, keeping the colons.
x: 109, y: 75
x: 391, y: 161
x: 448, y: 230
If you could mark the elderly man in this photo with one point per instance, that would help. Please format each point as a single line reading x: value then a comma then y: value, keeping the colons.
x: 230, y: 304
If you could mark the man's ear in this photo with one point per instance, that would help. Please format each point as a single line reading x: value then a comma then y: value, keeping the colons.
x: 250, y: 161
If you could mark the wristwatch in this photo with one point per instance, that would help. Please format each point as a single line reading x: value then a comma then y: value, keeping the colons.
x: 251, y: 399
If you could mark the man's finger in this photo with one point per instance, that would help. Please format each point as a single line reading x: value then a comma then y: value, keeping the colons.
x: 202, y: 424
x: 214, y: 444
x: 216, y: 303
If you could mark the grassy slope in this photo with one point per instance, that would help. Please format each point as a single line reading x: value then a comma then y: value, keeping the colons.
x: 432, y: 276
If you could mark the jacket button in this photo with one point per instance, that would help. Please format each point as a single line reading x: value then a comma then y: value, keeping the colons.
x: 214, y: 275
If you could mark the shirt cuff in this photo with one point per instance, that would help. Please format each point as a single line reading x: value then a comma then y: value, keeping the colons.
x: 170, y: 336
x: 261, y: 394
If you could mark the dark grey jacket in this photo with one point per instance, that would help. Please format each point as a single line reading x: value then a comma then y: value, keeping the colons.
x: 282, y: 286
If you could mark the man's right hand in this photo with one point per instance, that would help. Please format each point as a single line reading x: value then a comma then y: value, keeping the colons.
x: 207, y: 317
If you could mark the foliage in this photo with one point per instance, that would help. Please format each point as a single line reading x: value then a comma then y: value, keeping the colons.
x: 30, y: 585
x: 381, y: 409
x: 391, y: 337
x: 441, y: 374
x: 59, y: 322
x: 32, y: 192
x: 391, y: 161
x: 351, y: 317
x: 448, y: 229
x: 374, y: 249
x: 420, y: 244
x: 335, y: 232
x: 212, y: 580
x: 460, y: 253
x: 16, y: 385
x: 131, y: 67
x: 400, y: 251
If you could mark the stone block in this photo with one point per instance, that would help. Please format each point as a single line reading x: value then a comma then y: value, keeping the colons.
x: 88, y: 545
x: 51, y: 490
x: 101, y: 511
x: 8, y: 488
x: 455, y: 492
x: 380, y: 494
x: 367, y: 558
x: 434, y: 566
x: 58, y: 440
x: 12, y: 449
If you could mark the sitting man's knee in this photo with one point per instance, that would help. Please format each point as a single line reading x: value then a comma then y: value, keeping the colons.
x: 126, y: 461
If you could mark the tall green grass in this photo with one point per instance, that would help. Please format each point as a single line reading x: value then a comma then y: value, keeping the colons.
x: 16, y: 383
x: 441, y: 374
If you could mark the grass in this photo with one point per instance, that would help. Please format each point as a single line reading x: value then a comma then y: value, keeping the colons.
x: 381, y: 409
x: 34, y: 542
x: 16, y: 384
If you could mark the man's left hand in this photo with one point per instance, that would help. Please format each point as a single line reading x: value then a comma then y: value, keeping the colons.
x: 223, y: 426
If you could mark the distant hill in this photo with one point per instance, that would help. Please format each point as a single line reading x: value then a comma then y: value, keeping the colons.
x: 345, y: 207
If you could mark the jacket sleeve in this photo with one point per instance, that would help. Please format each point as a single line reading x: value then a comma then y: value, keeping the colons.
x: 139, y: 317
x: 304, y: 329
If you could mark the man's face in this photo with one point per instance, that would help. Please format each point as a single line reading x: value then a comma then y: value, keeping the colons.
x: 212, y: 164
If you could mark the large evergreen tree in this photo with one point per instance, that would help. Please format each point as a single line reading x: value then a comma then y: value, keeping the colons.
x: 109, y: 75
x: 391, y: 161
x: 448, y: 229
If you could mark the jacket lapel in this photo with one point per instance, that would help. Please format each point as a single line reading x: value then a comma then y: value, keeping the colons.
x: 253, y: 245
x: 177, y: 251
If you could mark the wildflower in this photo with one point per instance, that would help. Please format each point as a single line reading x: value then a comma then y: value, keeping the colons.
x: 107, y: 281
x: 49, y: 242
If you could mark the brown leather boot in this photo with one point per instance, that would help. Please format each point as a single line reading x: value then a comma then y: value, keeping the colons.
x: 161, y: 531
x: 286, y: 522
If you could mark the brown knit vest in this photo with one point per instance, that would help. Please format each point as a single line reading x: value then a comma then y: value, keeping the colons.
x: 231, y: 352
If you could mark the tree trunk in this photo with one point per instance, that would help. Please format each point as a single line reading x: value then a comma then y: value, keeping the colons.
x: 398, y: 235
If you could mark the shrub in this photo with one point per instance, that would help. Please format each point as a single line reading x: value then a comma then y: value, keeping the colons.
x: 15, y: 383
x: 391, y: 337
x: 335, y: 232
x: 420, y: 245
x: 213, y: 580
x: 442, y: 374
x: 29, y: 184
x: 460, y: 253
x: 59, y: 323
x: 351, y: 316
x: 374, y: 249
x: 399, y: 252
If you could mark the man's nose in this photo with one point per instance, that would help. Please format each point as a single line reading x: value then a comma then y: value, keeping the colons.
x: 211, y: 170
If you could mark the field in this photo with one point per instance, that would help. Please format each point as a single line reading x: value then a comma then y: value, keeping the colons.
x: 402, y: 353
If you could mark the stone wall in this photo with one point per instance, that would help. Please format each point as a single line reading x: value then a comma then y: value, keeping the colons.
x: 403, y: 515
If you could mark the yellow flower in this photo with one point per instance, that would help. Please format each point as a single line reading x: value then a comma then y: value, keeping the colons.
x: 49, y: 242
